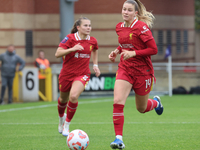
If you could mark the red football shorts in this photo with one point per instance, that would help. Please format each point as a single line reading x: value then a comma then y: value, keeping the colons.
x: 142, y: 85
x: 65, y: 85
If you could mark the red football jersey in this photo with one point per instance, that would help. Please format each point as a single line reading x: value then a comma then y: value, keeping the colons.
x: 133, y: 38
x: 77, y: 63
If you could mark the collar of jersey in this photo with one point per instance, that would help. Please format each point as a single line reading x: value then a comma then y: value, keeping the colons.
x: 77, y: 37
x: 132, y: 24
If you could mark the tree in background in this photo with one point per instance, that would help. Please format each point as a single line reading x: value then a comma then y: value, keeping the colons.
x: 197, y: 14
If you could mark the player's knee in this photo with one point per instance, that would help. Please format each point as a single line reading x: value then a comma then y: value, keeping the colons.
x: 141, y: 109
x: 117, y: 100
x: 73, y: 98
x: 62, y: 100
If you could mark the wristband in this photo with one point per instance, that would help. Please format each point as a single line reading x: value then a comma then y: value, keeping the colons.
x: 95, y: 65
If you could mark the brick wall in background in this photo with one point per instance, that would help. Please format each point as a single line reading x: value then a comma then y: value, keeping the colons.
x: 42, y: 16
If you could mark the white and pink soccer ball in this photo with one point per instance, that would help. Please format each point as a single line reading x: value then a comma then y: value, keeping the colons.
x: 77, y: 140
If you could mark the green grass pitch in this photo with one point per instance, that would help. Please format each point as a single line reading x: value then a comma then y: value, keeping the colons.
x: 34, y: 126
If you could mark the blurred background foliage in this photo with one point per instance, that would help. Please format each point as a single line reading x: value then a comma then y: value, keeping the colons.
x: 197, y: 14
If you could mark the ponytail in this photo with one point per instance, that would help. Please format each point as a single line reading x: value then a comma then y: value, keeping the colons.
x: 77, y: 23
x: 74, y: 29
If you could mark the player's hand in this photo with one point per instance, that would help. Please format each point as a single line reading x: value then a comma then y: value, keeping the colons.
x: 97, y: 71
x: 112, y: 56
x: 127, y: 54
x: 78, y: 47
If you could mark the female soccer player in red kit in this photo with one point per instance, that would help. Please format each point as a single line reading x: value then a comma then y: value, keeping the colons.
x: 135, y: 70
x: 75, y: 50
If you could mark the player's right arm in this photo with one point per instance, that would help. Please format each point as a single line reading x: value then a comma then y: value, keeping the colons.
x: 62, y: 52
x: 113, y: 55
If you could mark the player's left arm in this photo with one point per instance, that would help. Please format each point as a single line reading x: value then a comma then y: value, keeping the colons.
x: 150, y: 50
x: 146, y: 36
x: 95, y: 62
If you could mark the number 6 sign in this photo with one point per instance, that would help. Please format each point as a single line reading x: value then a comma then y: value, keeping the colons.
x: 30, y: 84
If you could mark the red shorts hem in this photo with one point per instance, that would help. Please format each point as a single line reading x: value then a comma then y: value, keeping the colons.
x: 65, y: 85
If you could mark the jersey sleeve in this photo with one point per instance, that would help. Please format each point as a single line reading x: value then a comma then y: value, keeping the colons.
x: 120, y: 49
x: 65, y: 43
x: 145, y: 33
x: 96, y: 47
x: 150, y: 50
x: 117, y: 28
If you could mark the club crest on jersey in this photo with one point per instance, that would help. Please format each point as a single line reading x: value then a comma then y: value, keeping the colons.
x: 64, y: 40
x: 90, y: 47
x: 145, y: 29
x: 131, y: 36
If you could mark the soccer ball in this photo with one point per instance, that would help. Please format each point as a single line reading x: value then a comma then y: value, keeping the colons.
x: 77, y: 140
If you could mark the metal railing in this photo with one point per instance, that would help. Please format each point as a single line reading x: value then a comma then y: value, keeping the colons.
x: 161, y: 69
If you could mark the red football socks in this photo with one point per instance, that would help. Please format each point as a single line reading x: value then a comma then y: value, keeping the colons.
x: 61, y: 108
x: 118, y: 118
x: 71, y: 109
x: 151, y: 104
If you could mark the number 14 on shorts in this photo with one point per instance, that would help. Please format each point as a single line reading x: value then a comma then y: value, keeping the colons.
x: 148, y: 83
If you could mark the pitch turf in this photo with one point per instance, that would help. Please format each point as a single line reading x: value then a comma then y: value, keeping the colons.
x: 33, y: 126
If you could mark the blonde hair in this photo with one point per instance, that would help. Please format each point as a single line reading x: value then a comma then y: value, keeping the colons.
x: 143, y: 15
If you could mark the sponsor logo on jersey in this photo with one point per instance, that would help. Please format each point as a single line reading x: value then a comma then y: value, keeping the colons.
x: 80, y: 55
x: 127, y: 45
x: 145, y: 29
x: 64, y: 40
x: 76, y: 55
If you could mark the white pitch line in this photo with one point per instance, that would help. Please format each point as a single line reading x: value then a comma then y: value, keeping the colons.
x: 23, y: 108
x: 51, y: 105
x: 93, y: 123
